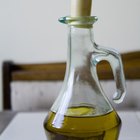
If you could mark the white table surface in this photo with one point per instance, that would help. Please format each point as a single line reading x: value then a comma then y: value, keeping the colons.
x: 29, y: 126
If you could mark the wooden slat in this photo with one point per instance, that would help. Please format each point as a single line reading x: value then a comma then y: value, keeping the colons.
x: 38, y: 67
x: 54, y: 71
x: 131, y: 66
x: 38, y: 75
x: 130, y: 56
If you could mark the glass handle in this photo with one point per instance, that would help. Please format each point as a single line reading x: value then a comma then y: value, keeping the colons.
x: 115, y: 62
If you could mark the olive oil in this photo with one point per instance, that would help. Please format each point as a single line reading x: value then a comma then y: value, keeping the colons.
x: 79, y: 124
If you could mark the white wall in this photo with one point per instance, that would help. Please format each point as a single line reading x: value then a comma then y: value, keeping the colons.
x: 30, y: 31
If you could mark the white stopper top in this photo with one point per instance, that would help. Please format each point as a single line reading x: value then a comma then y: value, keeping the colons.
x: 80, y: 8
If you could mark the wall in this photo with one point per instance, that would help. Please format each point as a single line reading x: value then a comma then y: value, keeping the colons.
x: 30, y: 31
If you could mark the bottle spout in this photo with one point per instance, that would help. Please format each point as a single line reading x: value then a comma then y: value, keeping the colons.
x: 80, y: 8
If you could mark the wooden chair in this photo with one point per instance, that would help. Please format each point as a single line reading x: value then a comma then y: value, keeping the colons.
x: 55, y: 71
x: 28, y: 72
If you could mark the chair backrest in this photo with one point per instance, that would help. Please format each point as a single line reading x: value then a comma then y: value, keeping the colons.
x: 28, y: 72
x: 51, y: 72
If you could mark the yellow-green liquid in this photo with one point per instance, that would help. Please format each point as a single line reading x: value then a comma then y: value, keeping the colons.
x: 82, y: 127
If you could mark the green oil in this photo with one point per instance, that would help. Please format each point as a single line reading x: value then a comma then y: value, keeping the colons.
x: 82, y: 126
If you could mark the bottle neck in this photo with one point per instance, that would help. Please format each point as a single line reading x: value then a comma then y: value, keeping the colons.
x: 81, y: 46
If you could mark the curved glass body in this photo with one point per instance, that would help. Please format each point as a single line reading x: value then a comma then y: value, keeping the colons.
x: 82, y: 111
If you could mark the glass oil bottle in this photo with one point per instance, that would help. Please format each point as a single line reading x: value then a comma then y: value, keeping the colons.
x: 82, y: 111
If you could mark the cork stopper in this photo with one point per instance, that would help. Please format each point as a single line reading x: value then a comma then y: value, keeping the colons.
x: 80, y: 8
